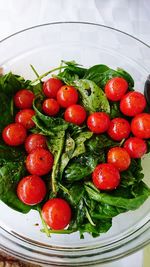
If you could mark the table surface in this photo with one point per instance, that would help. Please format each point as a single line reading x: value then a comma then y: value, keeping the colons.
x: 132, y: 17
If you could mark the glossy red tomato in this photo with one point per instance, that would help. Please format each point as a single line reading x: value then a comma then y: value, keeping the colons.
x: 98, y: 122
x: 24, y: 117
x: 119, y: 157
x: 116, y: 88
x: 23, y: 99
x: 119, y: 129
x: 34, y: 141
x: 56, y: 213
x: 140, y: 125
x: 132, y: 104
x: 75, y: 114
x: 136, y: 147
x: 106, y: 176
x: 39, y: 162
x: 31, y: 190
x: 14, y: 134
x: 51, y: 87
x: 67, y: 96
x: 50, y: 107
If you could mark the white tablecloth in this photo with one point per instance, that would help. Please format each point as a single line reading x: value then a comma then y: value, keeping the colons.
x: 132, y: 16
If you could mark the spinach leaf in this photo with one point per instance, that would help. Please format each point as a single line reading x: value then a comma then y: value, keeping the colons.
x: 10, y: 174
x: 101, y: 226
x: 67, y: 155
x: 80, y: 143
x: 120, y: 197
x: 100, y: 143
x: 72, y: 193
x: 55, y: 145
x: 109, y: 74
x: 133, y: 175
x: 126, y: 76
x: 93, y: 98
x: 81, y: 167
x: 71, y: 73
x: 8, y: 153
x: 95, y: 73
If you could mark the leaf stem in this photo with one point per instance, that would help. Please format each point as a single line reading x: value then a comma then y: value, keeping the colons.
x: 46, y: 73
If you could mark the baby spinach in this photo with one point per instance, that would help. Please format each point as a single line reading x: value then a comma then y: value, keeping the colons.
x: 55, y: 145
x: 81, y: 167
x: 10, y: 174
x: 92, y: 97
x: 95, y: 73
x: 121, y: 198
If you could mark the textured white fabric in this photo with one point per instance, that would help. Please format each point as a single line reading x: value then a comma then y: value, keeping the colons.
x: 132, y: 16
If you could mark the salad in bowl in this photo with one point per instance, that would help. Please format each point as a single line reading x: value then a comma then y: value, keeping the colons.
x: 72, y: 145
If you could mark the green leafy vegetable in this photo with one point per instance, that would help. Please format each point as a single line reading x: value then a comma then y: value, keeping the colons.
x: 117, y: 199
x: 81, y: 167
x: 10, y: 174
x: 55, y: 145
x: 93, y: 98
x: 95, y: 73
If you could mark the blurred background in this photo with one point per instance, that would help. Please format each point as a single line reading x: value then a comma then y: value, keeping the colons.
x: 131, y: 16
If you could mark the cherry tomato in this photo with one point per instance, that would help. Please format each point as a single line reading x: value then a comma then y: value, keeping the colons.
x: 14, y: 134
x: 34, y: 141
x: 136, y: 147
x: 51, y: 87
x: 98, y: 122
x: 24, y: 117
x: 132, y: 104
x: 140, y: 125
x: 31, y: 190
x: 56, y: 213
x: 106, y: 176
x: 119, y: 129
x: 23, y: 99
x: 116, y: 88
x: 75, y: 114
x: 39, y: 162
x: 67, y: 96
x: 119, y: 157
x: 50, y: 107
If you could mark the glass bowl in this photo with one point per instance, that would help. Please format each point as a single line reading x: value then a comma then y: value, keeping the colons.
x: 88, y: 44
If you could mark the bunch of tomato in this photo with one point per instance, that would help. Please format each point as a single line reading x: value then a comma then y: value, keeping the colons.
x: 31, y: 189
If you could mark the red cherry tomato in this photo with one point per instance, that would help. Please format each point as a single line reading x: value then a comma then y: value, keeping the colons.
x: 119, y: 129
x: 132, y: 104
x: 106, y: 176
x: 119, y: 157
x: 14, y: 134
x: 51, y: 87
x: 136, y: 147
x: 116, y: 88
x: 67, y: 96
x: 34, y: 141
x: 140, y: 125
x: 98, y: 122
x: 39, y: 162
x: 24, y: 117
x: 23, y: 99
x: 50, y: 107
x: 56, y: 213
x: 75, y: 114
x: 31, y: 190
